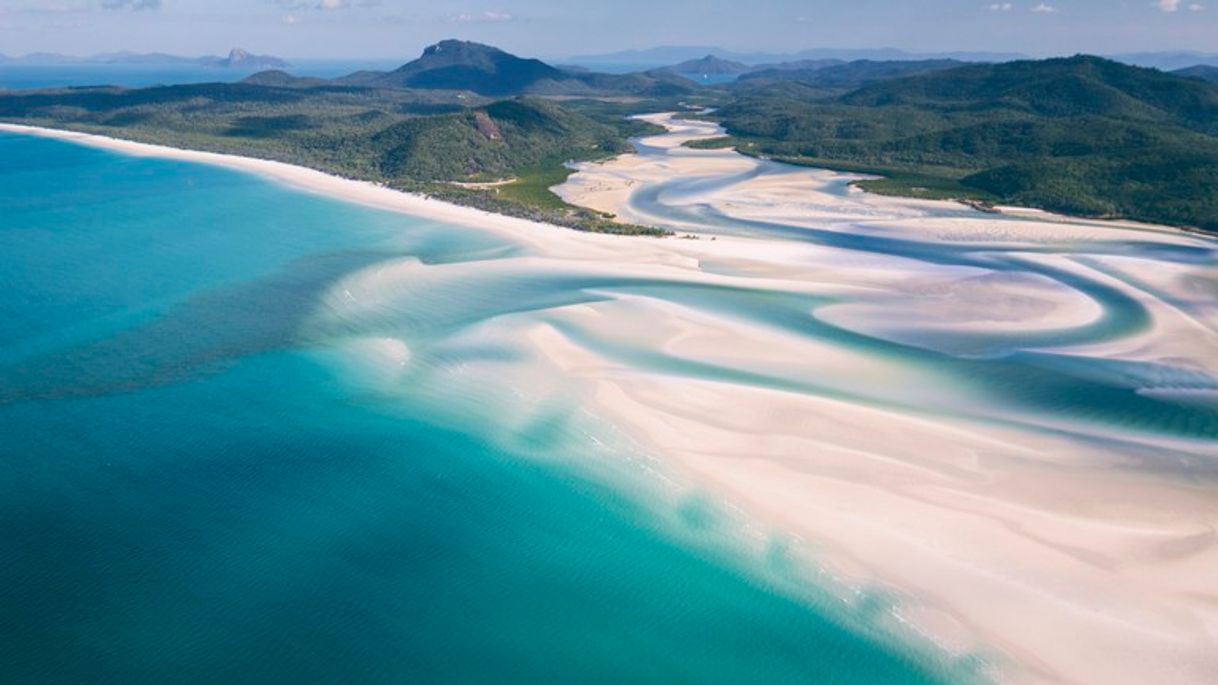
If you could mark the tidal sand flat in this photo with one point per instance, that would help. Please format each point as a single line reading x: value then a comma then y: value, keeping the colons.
x: 1012, y: 418
x: 892, y: 418
x: 254, y: 434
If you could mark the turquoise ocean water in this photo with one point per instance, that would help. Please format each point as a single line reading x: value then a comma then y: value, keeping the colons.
x: 198, y: 486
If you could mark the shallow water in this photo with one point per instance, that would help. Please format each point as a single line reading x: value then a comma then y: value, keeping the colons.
x: 222, y: 461
x: 1016, y: 372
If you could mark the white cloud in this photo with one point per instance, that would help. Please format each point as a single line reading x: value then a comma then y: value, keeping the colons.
x: 487, y: 17
x: 1001, y: 7
x: 135, y: 5
x: 324, y: 5
x: 1175, y: 5
x: 1042, y: 8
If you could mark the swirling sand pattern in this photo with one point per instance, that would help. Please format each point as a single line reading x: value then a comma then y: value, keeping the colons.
x: 1010, y: 420
x: 1014, y: 417
x: 253, y: 435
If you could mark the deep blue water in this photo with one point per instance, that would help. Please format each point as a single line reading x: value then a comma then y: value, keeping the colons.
x: 17, y: 76
x: 195, y: 486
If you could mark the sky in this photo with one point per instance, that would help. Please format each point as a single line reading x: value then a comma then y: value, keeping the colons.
x: 553, y: 29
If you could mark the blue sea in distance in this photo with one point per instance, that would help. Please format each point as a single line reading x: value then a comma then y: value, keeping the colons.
x: 193, y: 490
x: 19, y: 76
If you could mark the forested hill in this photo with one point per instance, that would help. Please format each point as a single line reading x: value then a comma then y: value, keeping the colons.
x: 493, y: 141
x: 1072, y: 86
x: 439, y: 142
x: 464, y: 65
x: 1081, y: 135
x: 1203, y: 72
x: 709, y: 65
x: 461, y: 65
x: 846, y: 76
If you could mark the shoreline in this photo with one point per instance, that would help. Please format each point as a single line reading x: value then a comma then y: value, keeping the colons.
x: 372, y: 194
x: 365, y: 193
x: 1047, y: 536
x: 988, y: 532
x: 983, y: 206
x: 688, y: 130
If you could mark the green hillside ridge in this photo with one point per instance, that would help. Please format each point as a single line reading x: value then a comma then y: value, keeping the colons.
x: 482, y: 69
x: 709, y: 65
x: 1082, y: 135
x: 846, y: 76
x: 282, y: 79
x: 415, y: 140
x: 1054, y: 88
x: 1202, y: 72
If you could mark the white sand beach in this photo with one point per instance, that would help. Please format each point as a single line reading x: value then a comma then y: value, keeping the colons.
x: 1081, y: 551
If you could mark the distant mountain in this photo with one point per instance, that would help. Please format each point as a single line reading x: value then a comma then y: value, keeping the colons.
x: 710, y: 65
x: 1203, y: 72
x: 799, y: 64
x: 486, y: 70
x: 659, y: 57
x: 653, y: 57
x: 463, y: 65
x: 891, y: 55
x: 127, y: 57
x: 849, y: 75
x: 240, y: 59
x: 48, y: 58
x: 236, y: 59
x: 1167, y: 61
